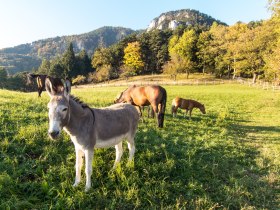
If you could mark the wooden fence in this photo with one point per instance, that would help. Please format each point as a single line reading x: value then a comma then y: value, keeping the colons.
x: 258, y: 84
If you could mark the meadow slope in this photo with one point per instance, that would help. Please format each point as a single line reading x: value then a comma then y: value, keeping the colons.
x: 226, y: 159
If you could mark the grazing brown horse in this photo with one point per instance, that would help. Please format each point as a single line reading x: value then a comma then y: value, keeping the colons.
x: 40, y: 79
x: 187, y: 104
x: 153, y: 95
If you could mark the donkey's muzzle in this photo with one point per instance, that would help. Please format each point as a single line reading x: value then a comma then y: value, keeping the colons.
x: 53, y: 134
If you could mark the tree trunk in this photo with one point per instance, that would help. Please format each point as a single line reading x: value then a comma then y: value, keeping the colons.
x: 203, y: 70
x: 188, y: 73
x: 228, y: 71
x: 234, y: 68
x: 254, y: 78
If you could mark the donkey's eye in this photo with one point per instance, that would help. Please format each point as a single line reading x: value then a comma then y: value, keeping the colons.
x: 64, y: 110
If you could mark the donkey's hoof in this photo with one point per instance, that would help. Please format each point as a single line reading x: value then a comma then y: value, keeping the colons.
x: 76, y: 184
x: 87, y: 188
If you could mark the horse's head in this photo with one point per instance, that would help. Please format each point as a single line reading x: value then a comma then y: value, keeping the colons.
x: 202, y: 109
x: 123, y: 97
x: 58, y: 105
x: 119, y: 98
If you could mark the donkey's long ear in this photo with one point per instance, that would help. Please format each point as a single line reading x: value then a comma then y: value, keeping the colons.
x: 67, y: 87
x: 49, y: 87
x: 54, y: 86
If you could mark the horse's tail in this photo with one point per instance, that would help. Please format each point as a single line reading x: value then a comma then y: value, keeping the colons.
x: 162, y: 107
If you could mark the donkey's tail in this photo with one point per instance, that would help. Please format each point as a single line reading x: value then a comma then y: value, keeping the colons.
x: 162, y: 108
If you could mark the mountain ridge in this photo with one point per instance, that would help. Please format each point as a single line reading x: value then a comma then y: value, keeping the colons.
x: 172, y: 19
x: 26, y: 57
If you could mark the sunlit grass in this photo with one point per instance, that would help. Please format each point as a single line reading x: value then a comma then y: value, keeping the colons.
x: 228, y: 158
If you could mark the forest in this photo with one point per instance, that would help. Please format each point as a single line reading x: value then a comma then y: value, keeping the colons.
x: 241, y: 50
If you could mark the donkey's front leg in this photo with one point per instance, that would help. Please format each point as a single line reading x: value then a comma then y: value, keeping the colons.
x: 78, y: 166
x: 88, y: 157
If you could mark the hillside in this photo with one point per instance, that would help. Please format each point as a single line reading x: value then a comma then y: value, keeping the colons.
x: 27, y: 56
x: 173, y: 19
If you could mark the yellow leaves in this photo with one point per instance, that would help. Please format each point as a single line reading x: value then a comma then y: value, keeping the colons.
x: 133, y: 57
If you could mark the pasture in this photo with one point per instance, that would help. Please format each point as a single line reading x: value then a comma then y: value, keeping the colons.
x: 226, y: 159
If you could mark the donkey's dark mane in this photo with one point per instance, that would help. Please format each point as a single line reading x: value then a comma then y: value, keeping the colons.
x: 79, y: 101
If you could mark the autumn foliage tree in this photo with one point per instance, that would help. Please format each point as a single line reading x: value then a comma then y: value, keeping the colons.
x: 133, y: 59
x: 182, y: 49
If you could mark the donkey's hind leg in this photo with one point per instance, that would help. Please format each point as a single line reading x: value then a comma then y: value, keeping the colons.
x: 119, y: 152
x: 131, y: 148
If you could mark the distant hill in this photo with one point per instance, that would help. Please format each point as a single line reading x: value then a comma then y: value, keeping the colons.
x: 27, y: 56
x: 172, y: 19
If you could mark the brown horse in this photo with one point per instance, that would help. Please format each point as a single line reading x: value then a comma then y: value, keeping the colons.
x: 40, y: 79
x: 153, y: 95
x: 187, y: 104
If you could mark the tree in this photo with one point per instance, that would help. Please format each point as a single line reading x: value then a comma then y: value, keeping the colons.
x: 183, y: 48
x: 44, y: 68
x: 271, y: 33
x: 233, y: 46
x: 205, y: 57
x: 57, y: 69
x: 3, y: 77
x: 256, y: 44
x: 158, y: 44
x: 274, y: 6
x: 133, y: 57
x: 69, y: 61
x: 102, y: 56
x: 218, y: 49
x: 83, y: 63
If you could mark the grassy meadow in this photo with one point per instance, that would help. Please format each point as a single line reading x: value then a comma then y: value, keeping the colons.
x: 226, y: 159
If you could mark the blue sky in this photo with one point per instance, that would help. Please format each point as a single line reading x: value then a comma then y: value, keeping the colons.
x: 24, y: 21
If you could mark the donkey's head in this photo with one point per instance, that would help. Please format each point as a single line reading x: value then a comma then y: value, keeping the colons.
x: 59, y: 114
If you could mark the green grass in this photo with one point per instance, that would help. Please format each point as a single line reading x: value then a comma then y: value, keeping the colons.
x: 226, y: 159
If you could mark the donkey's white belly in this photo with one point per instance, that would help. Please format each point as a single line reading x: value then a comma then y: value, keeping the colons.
x: 109, y: 142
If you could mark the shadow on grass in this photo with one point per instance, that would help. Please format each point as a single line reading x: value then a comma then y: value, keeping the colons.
x: 197, y: 166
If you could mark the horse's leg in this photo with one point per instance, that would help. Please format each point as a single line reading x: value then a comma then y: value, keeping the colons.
x: 88, y: 157
x: 151, y: 112
x: 39, y: 92
x: 190, y: 113
x: 174, y: 111
x: 154, y: 107
x: 185, y: 114
x: 119, y: 152
x: 78, y: 166
x: 156, y: 110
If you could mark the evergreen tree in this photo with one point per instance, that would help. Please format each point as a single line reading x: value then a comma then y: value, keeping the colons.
x: 83, y: 63
x: 69, y: 62
x: 44, y: 68
x: 57, y: 69
x: 3, y: 77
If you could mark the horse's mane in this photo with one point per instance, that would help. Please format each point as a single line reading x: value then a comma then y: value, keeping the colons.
x: 79, y: 101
